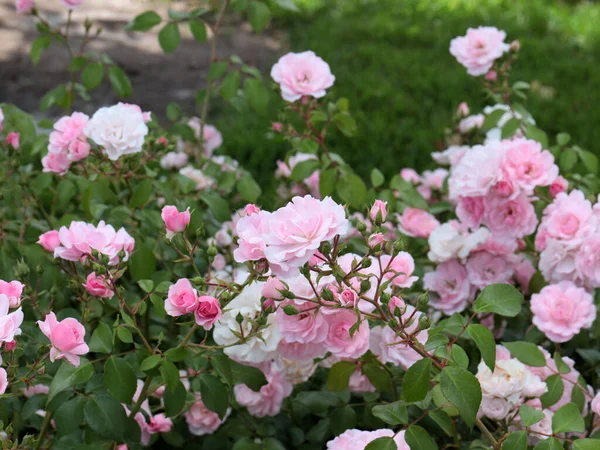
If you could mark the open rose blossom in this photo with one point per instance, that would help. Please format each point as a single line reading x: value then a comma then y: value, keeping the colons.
x: 13, y: 290
x: 450, y: 285
x: 302, y: 74
x: 562, y: 310
x: 207, y: 312
x: 175, y: 221
x: 416, y: 222
x: 358, y: 440
x: 182, y: 298
x: 338, y: 340
x: 478, y: 50
x: 399, y: 269
x: 267, y: 401
x: 202, y: 420
x: 68, y: 137
x: 66, y: 338
x: 10, y: 323
x: 97, y: 285
x: 3, y: 381
x: 56, y: 163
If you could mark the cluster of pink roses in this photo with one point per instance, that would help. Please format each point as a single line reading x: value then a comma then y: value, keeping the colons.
x: 68, y: 143
x: 183, y: 299
x: 10, y: 322
x: 358, y: 440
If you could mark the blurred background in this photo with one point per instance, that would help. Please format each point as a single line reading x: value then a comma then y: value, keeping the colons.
x: 390, y: 59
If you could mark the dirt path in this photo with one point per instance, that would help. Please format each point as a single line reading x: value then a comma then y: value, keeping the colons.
x: 156, y: 78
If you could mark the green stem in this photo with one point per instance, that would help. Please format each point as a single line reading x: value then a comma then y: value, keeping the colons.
x: 47, y: 419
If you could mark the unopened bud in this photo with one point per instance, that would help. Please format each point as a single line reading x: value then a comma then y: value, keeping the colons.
x: 200, y: 231
x: 424, y: 322
x: 398, y: 246
x: 365, y: 285
x: 290, y: 310
x: 239, y: 318
x: 385, y: 298
x: 423, y: 301
x: 39, y: 269
x: 212, y: 252
x: 367, y: 263
x: 262, y: 320
x: 326, y: 294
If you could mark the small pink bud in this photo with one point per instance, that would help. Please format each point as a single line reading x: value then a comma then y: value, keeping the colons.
x: 277, y: 126
x: 376, y: 239
x: 10, y: 346
x: 250, y: 209
x: 162, y: 140
x: 559, y: 185
x: 348, y: 297
x: 273, y: 288
x: 504, y: 189
x: 174, y: 220
x: 463, y: 110
x: 378, y: 211
x: 49, y: 240
x: 13, y: 139
x: 269, y: 304
x: 491, y: 75
x: 515, y: 46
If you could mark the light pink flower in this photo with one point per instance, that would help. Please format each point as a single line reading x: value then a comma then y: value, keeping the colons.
x: 478, y: 50
x: 174, y: 160
x: 358, y: 440
x: 562, y: 310
x: 201, y: 420
x: 14, y: 140
x: 587, y: 260
x: 211, y: 137
x: 417, y: 222
x: 72, y: 3
x: 469, y: 211
x: 434, y: 179
x: 35, y: 389
x: 159, y: 423
x: 523, y: 270
x: 298, y: 351
x: 451, y: 287
x: 267, y: 401
x: 471, y: 123
x: 463, y: 109
x: 251, y: 231
x: 302, y: 74
x: 10, y: 323
x: 272, y: 289
x: 66, y: 338
x: 360, y: 383
x: 175, y: 221
x: 56, y: 162
x: 528, y: 165
x: 510, y: 217
x: 476, y: 173
x: 484, y: 269
x: 376, y: 239
x: 492, y: 75
x: 23, y: 7
x: 97, y: 286
x: 558, y: 262
x: 338, y: 340
x: 399, y: 269
x: 208, y: 311
x: 596, y: 404
x: 378, y: 210
x: 410, y: 175
x: 182, y: 298
x: 559, y: 185
x: 69, y: 137
x: 3, y: 381
x: 13, y: 290
x: 297, y: 230
x: 308, y: 326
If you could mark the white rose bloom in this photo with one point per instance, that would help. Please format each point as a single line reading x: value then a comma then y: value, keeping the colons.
x: 495, y: 408
x: 471, y: 122
x: 448, y: 242
x: 202, y: 181
x: 119, y: 129
x: 477, y: 172
x: 174, y: 160
x: 258, y: 348
x: 451, y: 156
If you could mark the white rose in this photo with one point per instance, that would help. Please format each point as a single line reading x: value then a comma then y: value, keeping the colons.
x: 202, y: 181
x: 495, y: 408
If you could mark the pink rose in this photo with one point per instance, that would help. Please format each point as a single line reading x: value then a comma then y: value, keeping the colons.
x: 23, y: 7
x: 266, y: 402
x: 417, y: 222
x: 348, y: 298
x: 35, y: 390
x: 471, y: 123
x: 376, y: 239
x: 182, y: 298
x: 14, y: 140
x: 276, y: 126
x: 297, y: 351
x: 523, y: 270
x: 559, y: 185
x: 208, y: 311
x: 175, y: 221
x: 410, y: 175
x: 56, y: 162
x: 360, y: 383
x: 13, y: 290
x: 558, y: 262
x: 302, y: 74
x: 251, y: 231
x: 492, y: 75
x: 9, y: 322
x: 358, y: 440
x: 212, y: 139
x: 73, y: 4
x: 159, y: 423
x: 308, y: 326
x: 174, y: 160
x: 587, y: 260
x: 528, y: 165
x: 478, y: 50
x: 510, y: 217
x: 66, y: 338
x: 485, y: 269
x: 3, y: 381
x: 596, y: 404
x: 476, y: 173
x: 78, y: 150
x: 250, y: 209
x: 338, y: 340
x: 399, y: 269
x: 273, y: 288
x: 463, y: 110
x: 297, y: 230
x: 201, y: 420
x: 97, y: 286
x: 10, y: 346
x: 562, y: 310
x: 451, y: 287
x: 469, y: 211
x: 69, y: 137
x: 378, y: 212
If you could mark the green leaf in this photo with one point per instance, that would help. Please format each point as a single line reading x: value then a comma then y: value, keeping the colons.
x: 146, y: 285
x: 382, y: 443
x: 492, y: 119
x: 214, y: 394
x: 352, y: 190
x: 510, y: 128
x: 443, y: 421
x: 560, y: 364
x: 142, y: 263
x: 342, y: 419
x: 169, y: 37
x: 141, y: 194
x: 327, y: 182
x: 516, y: 441
x: 119, y: 81
x: 586, y: 444
x: 567, y: 160
x: 39, y: 45
x: 462, y: 389
x: 144, y: 21
x: 589, y: 160
x: 530, y: 415
x: 392, y: 413
x: 221, y: 365
x: 69, y: 415
x: 408, y: 193
x: 484, y: 339
x: 105, y: 416
x: 416, y: 381
x: 150, y: 362
x: 258, y: 15
x: 346, y: 124
x: 377, y: 178
x: 378, y: 376
x: 101, y: 341
x: 549, y: 444
x: 563, y: 138
x: 250, y: 376
x: 339, y: 375
x: 175, y: 400
x: 173, y: 111
x: 248, y: 189
x: 170, y: 374
x: 502, y: 299
x: 124, y: 335
x: 526, y: 352
x: 289, y: 5
x: 217, y: 205
x: 304, y: 169
x: 77, y: 63
x: 92, y: 75
x: 418, y: 439
x: 198, y: 29
x: 119, y: 379
x: 537, y: 135
x: 567, y: 419
x: 69, y: 376
x: 230, y: 85
x: 256, y: 94
x: 217, y: 69
x: 56, y: 96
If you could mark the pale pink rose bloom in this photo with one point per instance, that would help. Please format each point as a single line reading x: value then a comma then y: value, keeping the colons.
x: 201, y: 420
x: 147, y: 116
x: 78, y: 150
x: 250, y: 209
x: 558, y: 262
x: 523, y: 270
x: 72, y: 3
x: 399, y: 269
x: 298, y: 351
x: 514, y: 218
x: 252, y: 231
x: 56, y: 162
x: 66, y: 337
x: 159, y: 423
x: 463, y: 109
x: 302, y: 74
x: 410, y: 175
x: 272, y: 289
x: 70, y: 130
x: 174, y: 160
x: 3, y: 381
x: 479, y: 48
x: 452, y: 291
x: 14, y: 140
x: 208, y: 311
x: 9, y: 322
x: 219, y: 263
x: 484, y: 269
x: 476, y: 173
x: 312, y: 183
x: 338, y: 340
x: 297, y: 230
x: 122, y: 447
x: 562, y: 310
x: 35, y: 389
x: 451, y: 156
x: 417, y: 222
x: 308, y: 326
x: 569, y: 218
x: 175, y: 221
x: 358, y: 440
x: 211, y: 137
x: 495, y: 408
x: 98, y: 286
x: 559, y: 185
x: 13, y: 290
x: 267, y: 401
x: 348, y: 298
x: 596, y: 404
x: 23, y: 7
x: 378, y: 208
x: 434, y: 179
x: 470, y: 210
x: 471, y: 123
x: 182, y: 298
x: 360, y: 383
x: 144, y: 431
x: 528, y: 165
x: 587, y: 260
x: 505, y: 189
x: 451, y: 240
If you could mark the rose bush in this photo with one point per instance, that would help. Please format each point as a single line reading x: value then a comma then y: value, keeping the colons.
x: 147, y: 301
